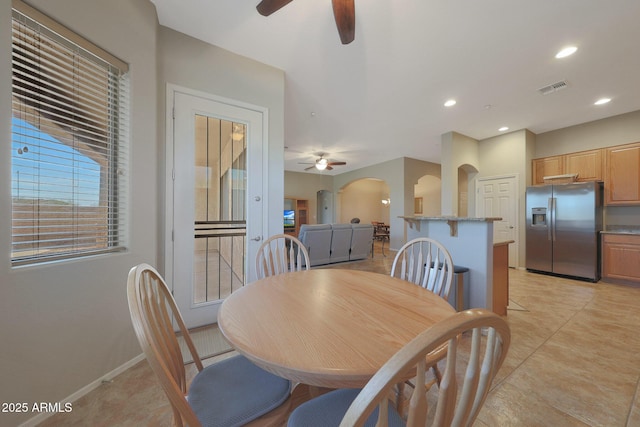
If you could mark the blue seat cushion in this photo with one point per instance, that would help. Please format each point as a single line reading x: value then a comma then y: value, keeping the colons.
x: 234, y: 391
x: 328, y: 410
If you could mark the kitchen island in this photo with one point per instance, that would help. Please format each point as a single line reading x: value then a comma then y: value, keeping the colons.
x: 470, y: 243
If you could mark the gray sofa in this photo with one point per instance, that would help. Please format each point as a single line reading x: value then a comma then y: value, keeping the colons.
x: 329, y: 243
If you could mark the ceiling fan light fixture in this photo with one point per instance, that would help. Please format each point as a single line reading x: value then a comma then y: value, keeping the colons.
x: 321, y: 164
x: 450, y: 103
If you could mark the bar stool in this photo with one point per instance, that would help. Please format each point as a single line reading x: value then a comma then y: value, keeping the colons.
x: 459, y: 272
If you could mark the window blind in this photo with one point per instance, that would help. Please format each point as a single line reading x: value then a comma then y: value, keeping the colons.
x: 69, y: 144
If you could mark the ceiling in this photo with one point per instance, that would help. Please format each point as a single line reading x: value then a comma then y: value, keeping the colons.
x: 381, y: 97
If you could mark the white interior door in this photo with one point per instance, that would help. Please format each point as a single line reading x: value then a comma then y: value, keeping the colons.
x: 216, y: 199
x: 496, y: 197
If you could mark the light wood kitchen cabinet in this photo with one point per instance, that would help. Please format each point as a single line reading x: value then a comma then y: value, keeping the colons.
x: 622, y: 175
x: 621, y: 258
x: 547, y: 166
x: 587, y: 164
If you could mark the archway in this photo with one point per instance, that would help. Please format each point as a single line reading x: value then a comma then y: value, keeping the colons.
x: 362, y: 199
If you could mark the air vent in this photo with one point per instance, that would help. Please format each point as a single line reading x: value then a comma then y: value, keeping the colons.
x: 554, y: 87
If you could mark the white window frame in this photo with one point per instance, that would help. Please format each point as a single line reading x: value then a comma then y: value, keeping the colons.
x: 70, y: 139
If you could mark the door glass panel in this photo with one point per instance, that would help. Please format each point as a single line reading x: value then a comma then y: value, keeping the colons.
x: 220, y: 207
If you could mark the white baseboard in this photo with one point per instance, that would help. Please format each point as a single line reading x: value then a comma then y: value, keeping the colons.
x: 84, y: 390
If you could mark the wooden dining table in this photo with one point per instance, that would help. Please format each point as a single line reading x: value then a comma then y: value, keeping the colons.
x: 327, y: 327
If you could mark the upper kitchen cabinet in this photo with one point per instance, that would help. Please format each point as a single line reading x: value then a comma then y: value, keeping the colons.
x: 587, y: 164
x: 547, y: 166
x: 622, y: 175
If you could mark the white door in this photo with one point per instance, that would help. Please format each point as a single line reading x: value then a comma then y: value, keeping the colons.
x: 496, y: 197
x: 215, y: 194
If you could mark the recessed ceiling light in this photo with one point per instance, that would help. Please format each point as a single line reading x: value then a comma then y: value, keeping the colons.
x: 602, y: 101
x: 503, y: 128
x: 570, y: 50
x: 450, y: 103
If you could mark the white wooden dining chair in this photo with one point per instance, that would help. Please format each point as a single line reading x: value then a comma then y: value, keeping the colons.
x: 427, y: 263
x: 231, y: 392
x: 478, y: 341
x: 279, y: 254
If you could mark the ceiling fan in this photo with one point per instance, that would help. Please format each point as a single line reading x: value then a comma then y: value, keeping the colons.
x: 343, y: 10
x: 322, y: 164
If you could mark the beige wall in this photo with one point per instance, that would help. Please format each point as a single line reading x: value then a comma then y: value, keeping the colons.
x: 429, y: 187
x: 66, y: 324
x: 363, y: 199
x: 457, y: 151
x: 298, y: 185
x: 616, y: 130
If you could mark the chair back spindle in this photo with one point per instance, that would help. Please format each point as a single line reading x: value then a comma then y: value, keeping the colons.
x: 478, y: 341
x: 427, y: 263
x: 281, y: 254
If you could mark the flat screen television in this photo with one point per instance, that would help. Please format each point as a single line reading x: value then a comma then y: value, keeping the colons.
x: 289, y: 219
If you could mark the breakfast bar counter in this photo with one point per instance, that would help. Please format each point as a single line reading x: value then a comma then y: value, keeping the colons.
x: 470, y: 243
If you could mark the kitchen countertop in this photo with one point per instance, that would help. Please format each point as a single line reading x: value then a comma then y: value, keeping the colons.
x: 450, y: 218
x: 622, y: 229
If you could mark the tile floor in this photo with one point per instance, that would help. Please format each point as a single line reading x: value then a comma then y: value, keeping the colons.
x: 574, y: 361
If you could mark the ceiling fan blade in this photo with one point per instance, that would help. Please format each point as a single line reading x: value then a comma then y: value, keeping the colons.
x: 329, y: 168
x: 267, y: 7
x: 337, y: 163
x: 309, y: 168
x: 344, y: 12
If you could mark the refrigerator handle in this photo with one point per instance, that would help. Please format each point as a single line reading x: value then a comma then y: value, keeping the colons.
x: 552, y: 208
x: 549, y: 217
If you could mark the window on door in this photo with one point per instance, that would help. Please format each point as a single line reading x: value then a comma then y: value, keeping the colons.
x: 220, y: 222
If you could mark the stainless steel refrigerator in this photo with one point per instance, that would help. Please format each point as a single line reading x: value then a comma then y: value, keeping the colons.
x: 563, y: 229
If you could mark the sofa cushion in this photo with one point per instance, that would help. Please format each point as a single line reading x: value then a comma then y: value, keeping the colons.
x: 341, y: 242
x: 317, y: 239
x: 361, y: 241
